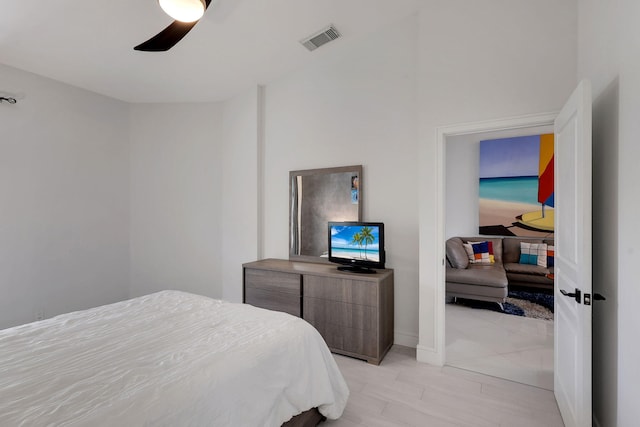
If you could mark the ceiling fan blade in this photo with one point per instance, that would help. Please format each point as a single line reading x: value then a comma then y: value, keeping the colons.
x: 168, y: 37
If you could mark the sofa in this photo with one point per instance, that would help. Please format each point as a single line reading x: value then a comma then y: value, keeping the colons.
x: 497, y: 264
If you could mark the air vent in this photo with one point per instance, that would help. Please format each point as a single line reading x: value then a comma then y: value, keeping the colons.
x: 323, y: 37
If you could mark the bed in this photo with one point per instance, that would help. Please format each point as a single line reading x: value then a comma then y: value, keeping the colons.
x: 167, y: 359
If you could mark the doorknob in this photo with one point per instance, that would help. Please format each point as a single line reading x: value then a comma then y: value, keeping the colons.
x: 577, y: 295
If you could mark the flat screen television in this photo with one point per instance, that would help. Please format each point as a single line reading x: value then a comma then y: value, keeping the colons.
x: 357, y: 246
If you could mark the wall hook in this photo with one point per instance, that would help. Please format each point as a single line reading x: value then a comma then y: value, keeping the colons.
x: 9, y: 100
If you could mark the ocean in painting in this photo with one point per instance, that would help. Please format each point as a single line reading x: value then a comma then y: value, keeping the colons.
x: 348, y: 253
x: 523, y: 189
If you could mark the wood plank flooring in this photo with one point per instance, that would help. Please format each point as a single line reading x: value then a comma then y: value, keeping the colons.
x: 511, y: 347
x: 404, y: 392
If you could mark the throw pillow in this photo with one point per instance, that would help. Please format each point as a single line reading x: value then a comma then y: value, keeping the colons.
x: 490, y: 244
x: 533, y: 253
x: 468, y: 247
x: 550, y: 255
x: 542, y: 255
x: 481, y: 253
x: 491, y: 256
x: 469, y: 250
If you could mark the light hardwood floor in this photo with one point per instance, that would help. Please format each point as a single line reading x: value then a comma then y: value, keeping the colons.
x: 501, y: 345
x: 404, y: 392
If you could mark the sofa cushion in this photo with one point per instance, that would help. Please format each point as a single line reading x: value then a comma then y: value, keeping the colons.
x: 536, y: 270
x: 528, y: 280
x: 487, y: 293
x: 456, y: 254
x: 511, y: 245
x: 479, y: 275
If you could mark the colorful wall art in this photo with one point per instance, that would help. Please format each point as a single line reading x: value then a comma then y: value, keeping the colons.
x: 516, y: 186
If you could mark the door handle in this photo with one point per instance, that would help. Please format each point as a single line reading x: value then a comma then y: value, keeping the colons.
x: 577, y: 295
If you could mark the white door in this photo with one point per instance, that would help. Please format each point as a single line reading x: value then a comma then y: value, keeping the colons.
x: 573, y: 296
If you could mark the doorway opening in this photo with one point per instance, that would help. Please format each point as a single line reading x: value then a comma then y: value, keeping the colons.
x: 488, y: 341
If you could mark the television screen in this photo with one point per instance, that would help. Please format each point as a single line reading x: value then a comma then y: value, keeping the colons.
x: 358, y: 244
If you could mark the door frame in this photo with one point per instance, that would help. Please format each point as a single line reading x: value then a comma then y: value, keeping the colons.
x: 442, y: 133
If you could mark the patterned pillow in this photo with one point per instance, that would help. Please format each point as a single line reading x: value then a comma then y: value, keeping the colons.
x: 550, y: 255
x: 469, y: 250
x: 533, y: 253
x: 468, y: 247
x: 493, y: 258
x: 482, y: 253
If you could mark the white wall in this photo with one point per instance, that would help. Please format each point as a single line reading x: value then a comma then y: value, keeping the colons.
x: 359, y: 108
x: 479, y: 61
x: 608, y: 55
x: 629, y: 206
x: 241, y: 192
x: 176, y: 198
x: 63, y: 198
x: 461, y: 186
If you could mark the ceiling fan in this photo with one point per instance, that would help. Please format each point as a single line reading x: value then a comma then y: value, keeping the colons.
x: 186, y: 13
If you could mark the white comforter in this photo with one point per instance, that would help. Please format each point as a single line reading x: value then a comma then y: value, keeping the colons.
x: 166, y: 359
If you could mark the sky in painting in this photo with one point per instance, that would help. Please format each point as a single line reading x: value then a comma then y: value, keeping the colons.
x: 510, y: 157
x: 342, y: 236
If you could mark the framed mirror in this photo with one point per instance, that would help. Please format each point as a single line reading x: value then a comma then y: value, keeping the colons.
x: 317, y: 196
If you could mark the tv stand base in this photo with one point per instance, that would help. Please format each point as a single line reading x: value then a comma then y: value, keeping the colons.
x: 356, y: 269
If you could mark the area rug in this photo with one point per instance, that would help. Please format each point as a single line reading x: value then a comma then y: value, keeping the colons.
x: 519, y: 303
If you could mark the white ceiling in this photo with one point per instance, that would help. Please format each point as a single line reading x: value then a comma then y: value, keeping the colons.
x: 236, y: 45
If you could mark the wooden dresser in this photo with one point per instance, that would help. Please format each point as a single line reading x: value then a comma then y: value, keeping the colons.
x: 353, y: 312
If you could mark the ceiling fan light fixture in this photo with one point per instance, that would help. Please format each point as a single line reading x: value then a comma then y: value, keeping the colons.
x: 183, y: 10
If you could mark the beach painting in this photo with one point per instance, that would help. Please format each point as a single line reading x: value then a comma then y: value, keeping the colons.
x: 356, y: 242
x: 516, y: 186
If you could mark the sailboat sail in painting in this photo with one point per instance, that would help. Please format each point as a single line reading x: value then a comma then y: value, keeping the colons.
x: 516, y: 186
x: 545, y: 176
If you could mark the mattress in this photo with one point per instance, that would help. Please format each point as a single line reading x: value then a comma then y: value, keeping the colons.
x: 166, y: 359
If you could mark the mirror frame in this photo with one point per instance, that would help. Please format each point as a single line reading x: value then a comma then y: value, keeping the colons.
x: 323, y: 171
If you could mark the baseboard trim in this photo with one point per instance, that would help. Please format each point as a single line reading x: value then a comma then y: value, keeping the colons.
x: 423, y: 354
x: 406, y: 339
x: 429, y: 355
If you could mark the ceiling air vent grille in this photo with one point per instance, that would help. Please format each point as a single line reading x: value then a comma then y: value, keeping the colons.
x: 323, y: 37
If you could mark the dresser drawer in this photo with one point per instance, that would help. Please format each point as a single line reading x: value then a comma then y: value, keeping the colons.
x: 277, y: 301
x: 340, y: 314
x: 350, y: 340
x: 274, y: 281
x: 343, y: 290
